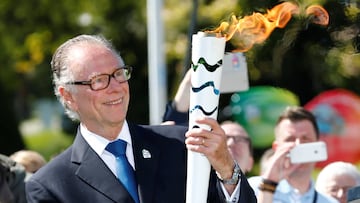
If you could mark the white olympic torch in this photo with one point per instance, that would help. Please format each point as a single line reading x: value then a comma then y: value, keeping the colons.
x: 207, y: 59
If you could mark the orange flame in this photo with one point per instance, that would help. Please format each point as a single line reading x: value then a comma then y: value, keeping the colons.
x: 318, y: 15
x: 245, y: 32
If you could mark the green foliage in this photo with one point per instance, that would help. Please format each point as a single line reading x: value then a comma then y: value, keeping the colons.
x: 48, y: 143
x: 30, y: 32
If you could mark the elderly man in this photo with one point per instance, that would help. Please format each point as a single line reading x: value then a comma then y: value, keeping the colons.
x: 113, y: 160
x: 336, y: 178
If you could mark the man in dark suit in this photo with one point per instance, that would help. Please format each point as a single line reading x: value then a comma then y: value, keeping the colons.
x: 90, y: 80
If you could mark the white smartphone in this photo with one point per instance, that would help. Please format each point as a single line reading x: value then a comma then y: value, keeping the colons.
x: 234, y: 76
x: 308, y: 152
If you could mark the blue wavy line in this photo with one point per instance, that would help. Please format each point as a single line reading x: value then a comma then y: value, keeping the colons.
x: 207, y: 84
x: 202, y: 109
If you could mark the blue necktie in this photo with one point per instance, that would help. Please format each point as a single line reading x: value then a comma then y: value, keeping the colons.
x: 124, y: 170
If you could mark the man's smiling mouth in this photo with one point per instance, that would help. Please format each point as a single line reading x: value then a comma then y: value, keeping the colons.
x: 118, y: 101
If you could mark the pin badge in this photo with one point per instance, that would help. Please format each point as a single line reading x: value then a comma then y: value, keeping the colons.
x: 146, y: 154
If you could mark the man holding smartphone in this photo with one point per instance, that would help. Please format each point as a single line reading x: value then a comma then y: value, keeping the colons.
x: 282, y: 180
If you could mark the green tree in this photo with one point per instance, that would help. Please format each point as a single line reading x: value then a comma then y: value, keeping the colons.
x: 31, y: 31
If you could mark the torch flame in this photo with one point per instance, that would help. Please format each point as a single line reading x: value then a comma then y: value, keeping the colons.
x: 318, y: 15
x: 256, y: 28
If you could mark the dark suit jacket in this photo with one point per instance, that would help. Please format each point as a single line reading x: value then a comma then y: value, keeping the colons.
x: 79, y: 175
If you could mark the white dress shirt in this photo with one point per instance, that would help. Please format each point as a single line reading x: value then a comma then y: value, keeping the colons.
x: 98, y: 144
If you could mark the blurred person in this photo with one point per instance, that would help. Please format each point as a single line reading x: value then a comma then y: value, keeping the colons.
x: 238, y: 141
x: 31, y: 160
x: 177, y: 110
x: 12, y: 181
x: 239, y: 144
x: 264, y: 160
x: 336, y: 178
x: 91, y: 81
x: 6, y: 195
x: 283, y: 181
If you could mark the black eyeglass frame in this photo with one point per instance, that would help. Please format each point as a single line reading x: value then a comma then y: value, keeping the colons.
x: 242, y: 139
x: 239, y: 138
x: 127, y: 73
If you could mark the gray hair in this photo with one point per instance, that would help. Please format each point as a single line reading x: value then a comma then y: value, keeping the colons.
x: 60, y: 65
x: 336, y: 168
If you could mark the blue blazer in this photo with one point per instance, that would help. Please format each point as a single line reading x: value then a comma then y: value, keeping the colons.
x: 78, y: 175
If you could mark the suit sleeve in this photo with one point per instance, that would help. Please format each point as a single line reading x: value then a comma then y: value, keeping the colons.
x: 216, y: 195
x: 246, y: 192
x: 36, y: 193
x: 171, y: 114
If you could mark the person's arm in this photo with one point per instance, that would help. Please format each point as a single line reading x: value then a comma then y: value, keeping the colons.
x: 278, y: 168
x: 266, y: 191
x: 243, y: 191
x: 172, y: 116
x: 178, y: 109
x: 217, y: 191
x: 230, y: 183
x: 212, y: 144
x: 182, y: 96
x: 35, y: 193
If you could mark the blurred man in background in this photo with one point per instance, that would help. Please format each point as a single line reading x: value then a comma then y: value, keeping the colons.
x: 283, y: 181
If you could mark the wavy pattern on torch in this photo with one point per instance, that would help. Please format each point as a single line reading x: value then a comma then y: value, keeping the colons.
x: 202, y: 109
x: 210, y: 68
x: 205, y: 85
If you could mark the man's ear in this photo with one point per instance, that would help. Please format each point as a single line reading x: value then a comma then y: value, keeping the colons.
x: 250, y: 164
x: 274, y: 145
x: 68, y: 98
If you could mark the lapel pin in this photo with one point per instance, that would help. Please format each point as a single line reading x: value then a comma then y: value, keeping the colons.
x: 146, y: 154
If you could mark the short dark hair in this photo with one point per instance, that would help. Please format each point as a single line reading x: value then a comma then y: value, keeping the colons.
x: 297, y: 113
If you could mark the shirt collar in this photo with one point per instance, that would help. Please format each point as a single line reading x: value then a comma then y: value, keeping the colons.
x: 99, y: 143
x: 285, y: 187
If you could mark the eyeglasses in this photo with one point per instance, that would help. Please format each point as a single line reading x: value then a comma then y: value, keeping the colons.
x: 102, y: 81
x: 238, y: 139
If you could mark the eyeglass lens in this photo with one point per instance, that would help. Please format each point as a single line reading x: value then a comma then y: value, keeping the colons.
x: 102, y: 81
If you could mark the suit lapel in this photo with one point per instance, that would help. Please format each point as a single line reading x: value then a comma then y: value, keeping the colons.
x: 94, y: 171
x: 146, y: 157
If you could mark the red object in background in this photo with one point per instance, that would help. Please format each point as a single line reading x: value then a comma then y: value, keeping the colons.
x: 338, y: 116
